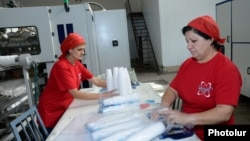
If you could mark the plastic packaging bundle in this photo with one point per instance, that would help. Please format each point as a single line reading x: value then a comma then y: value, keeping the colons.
x: 124, y: 127
x: 115, y: 78
x: 121, y: 99
x: 109, y: 79
x: 120, y: 108
x: 105, y: 132
x: 173, y: 131
x: 105, y: 118
x: 122, y: 135
x: 107, y: 122
x: 121, y: 103
x: 119, y: 79
x: 148, y: 133
x: 124, y: 82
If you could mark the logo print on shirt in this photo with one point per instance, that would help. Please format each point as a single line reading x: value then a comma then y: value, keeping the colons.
x: 205, y: 89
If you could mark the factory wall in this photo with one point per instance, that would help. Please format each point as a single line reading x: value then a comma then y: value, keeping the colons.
x: 165, y: 19
x: 108, y: 4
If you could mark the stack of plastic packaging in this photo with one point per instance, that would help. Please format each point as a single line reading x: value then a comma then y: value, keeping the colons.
x: 118, y: 79
x: 140, y: 125
x: 121, y: 103
x: 124, y: 127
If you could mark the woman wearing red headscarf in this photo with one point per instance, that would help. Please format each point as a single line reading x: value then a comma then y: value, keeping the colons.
x: 208, y: 83
x: 64, y: 82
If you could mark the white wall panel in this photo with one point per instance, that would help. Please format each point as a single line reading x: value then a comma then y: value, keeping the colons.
x: 166, y: 33
x: 152, y: 17
x: 109, y: 29
x: 240, y: 26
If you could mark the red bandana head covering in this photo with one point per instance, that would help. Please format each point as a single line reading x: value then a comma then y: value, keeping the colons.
x: 71, y: 41
x: 207, y: 25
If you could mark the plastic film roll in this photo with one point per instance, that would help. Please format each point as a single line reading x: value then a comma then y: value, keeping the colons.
x: 8, y: 60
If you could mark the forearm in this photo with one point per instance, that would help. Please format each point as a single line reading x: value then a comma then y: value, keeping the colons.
x: 98, y: 82
x: 217, y: 115
x: 91, y: 96
x: 169, y: 97
x: 84, y: 95
x: 101, y: 83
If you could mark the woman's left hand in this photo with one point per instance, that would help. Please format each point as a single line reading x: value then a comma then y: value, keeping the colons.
x: 174, y: 116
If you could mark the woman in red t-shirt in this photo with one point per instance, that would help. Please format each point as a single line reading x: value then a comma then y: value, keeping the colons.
x: 208, y: 83
x: 64, y: 82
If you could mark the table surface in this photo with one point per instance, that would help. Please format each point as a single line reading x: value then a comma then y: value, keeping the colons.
x: 72, y: 123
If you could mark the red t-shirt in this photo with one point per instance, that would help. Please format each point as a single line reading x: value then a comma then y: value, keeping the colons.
x: 55, y: 97
x: 202, y: 86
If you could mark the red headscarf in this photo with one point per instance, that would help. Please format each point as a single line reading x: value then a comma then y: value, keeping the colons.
x: 71, y: 41
x: 207, y: 25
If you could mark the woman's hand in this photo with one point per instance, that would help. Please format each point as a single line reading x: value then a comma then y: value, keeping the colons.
x: 177, y: 117
x: 158, y: 114
x: 108, y: 94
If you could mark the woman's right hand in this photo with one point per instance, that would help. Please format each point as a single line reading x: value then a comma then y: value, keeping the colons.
x: 157, y: 113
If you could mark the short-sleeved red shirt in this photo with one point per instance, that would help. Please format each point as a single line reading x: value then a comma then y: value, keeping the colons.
x: 202, y: 86
x: 55, y: 97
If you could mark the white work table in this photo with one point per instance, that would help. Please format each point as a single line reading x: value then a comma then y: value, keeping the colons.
x: 72, y: 123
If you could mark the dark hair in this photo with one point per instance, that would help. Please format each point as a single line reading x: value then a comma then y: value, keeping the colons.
x: 216, y: 45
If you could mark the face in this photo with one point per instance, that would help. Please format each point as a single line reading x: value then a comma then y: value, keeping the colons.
x: 199, y: 47
x: 77, y: 52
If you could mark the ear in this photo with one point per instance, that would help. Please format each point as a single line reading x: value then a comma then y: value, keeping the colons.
x: 70, y: 50
x: 212, y: 40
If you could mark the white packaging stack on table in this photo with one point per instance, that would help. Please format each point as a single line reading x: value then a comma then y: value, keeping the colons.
x: 126, y: 117
x: 126, y: 100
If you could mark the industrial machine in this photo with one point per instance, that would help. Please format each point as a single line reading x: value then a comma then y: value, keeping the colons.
x: 14, y: 92
x: 40, y: 30
x: 35, y: 33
